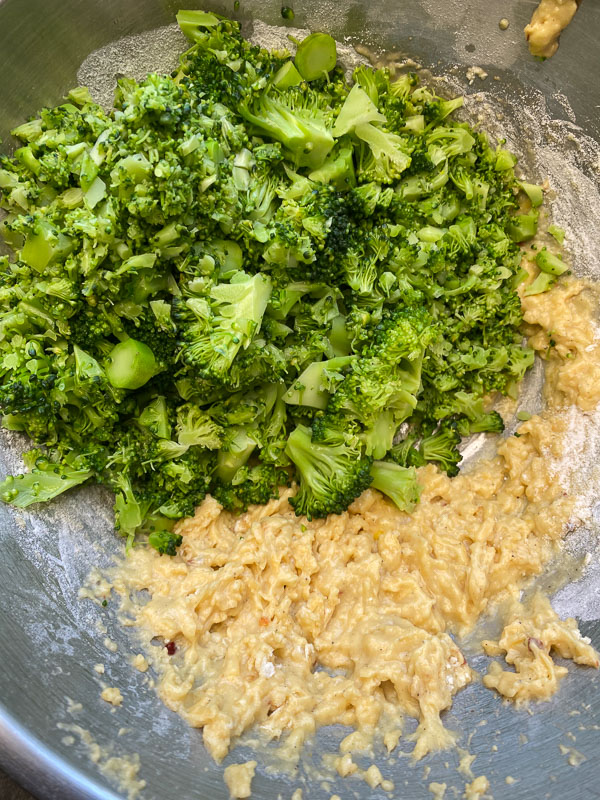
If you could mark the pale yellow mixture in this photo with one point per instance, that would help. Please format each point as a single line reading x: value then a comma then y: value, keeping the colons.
x: 549, y: 20
x: 289, y: 625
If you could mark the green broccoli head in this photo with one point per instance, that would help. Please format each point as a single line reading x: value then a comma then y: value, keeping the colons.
x: 299, y: 118
x: 213, y: 331
x: 441, y: 447
x: 331, y: 474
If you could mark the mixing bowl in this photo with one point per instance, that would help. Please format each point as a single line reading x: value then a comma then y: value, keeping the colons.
x: 51, y: 640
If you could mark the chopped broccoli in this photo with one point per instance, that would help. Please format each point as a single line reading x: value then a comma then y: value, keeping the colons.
x: 298, y: 118
x: 43, y: 483
x: 331, y: 474
x: 165, y: 542
x: 219, y: 326
x: 252, y: 272
x: 398, y: 483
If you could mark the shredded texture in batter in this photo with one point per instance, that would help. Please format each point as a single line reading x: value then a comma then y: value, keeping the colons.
x: 291, y: 624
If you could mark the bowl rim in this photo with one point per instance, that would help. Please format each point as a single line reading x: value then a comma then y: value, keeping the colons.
x: 40, y: 770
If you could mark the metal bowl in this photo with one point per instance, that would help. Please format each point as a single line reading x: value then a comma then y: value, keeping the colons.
x: 51, y: 640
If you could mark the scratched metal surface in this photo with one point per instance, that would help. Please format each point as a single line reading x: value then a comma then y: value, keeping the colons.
x: 50, y: 641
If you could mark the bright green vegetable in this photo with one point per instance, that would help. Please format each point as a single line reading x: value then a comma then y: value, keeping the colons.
x: 557, y: 232
x: 287, y: 76
x: 533, y: 192
x: 550, y: 263
x: 316, y: 56
x: 540, y: 284
x: 523, y: 227
x: 398, y: 483
x: 131, y: 364
x: 165, y: 542
x: 41, y: 485
x: 237, y: 279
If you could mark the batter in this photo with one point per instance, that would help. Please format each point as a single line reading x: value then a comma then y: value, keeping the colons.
x: 549, y: 20
x: 288, y: 625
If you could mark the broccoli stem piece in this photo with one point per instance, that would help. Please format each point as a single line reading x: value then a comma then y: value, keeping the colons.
x: 191, y: 23
x: 505, y: 160
x: 339, y: 338
x: 238, y: 451
x: 358, y: 109
x: 533, y: 192
x: 557, y: 232
x: 398, y: 483
x: 307, y: 389
x: 523, y: 227
x: 548, y: 262
x: 41, y: 485
x: 44, y: 245
x: 379, y: 439
x: 316, y: 56
x: 131, y: 364
x: 540, y: 285
x: 156, y: 418
x: 337, y: 170
x: 287, y: 76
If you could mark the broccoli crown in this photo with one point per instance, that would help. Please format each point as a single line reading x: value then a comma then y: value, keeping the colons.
x: 332, y: 474
x: 252, y: 272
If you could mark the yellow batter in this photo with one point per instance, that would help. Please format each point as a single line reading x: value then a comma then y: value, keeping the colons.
x: 289, y: 625
x: 549, y: 20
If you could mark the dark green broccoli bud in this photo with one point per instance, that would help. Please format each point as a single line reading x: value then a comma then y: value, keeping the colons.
x: 251, y: 486
x: 332, y: 475
x: 152, y: 332
x: 166, y: 542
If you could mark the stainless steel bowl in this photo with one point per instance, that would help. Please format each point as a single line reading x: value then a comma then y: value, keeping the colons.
x: 51, y: 640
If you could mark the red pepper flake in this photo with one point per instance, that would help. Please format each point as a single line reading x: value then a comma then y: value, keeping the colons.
x: 171, y: 648
x: 263, y: 622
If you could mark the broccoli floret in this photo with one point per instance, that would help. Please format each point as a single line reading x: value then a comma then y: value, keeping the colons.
x: 491, y: 422
x: 398, y: 483
x: 299, y: 118
x: 332, y: 475
x: 441, y: 448
x: 383, y: 156
x: 252, y: 486
x: 166, y: 542
x: 214, y: 331
x: 155, y: 334
x: 195, y: 427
